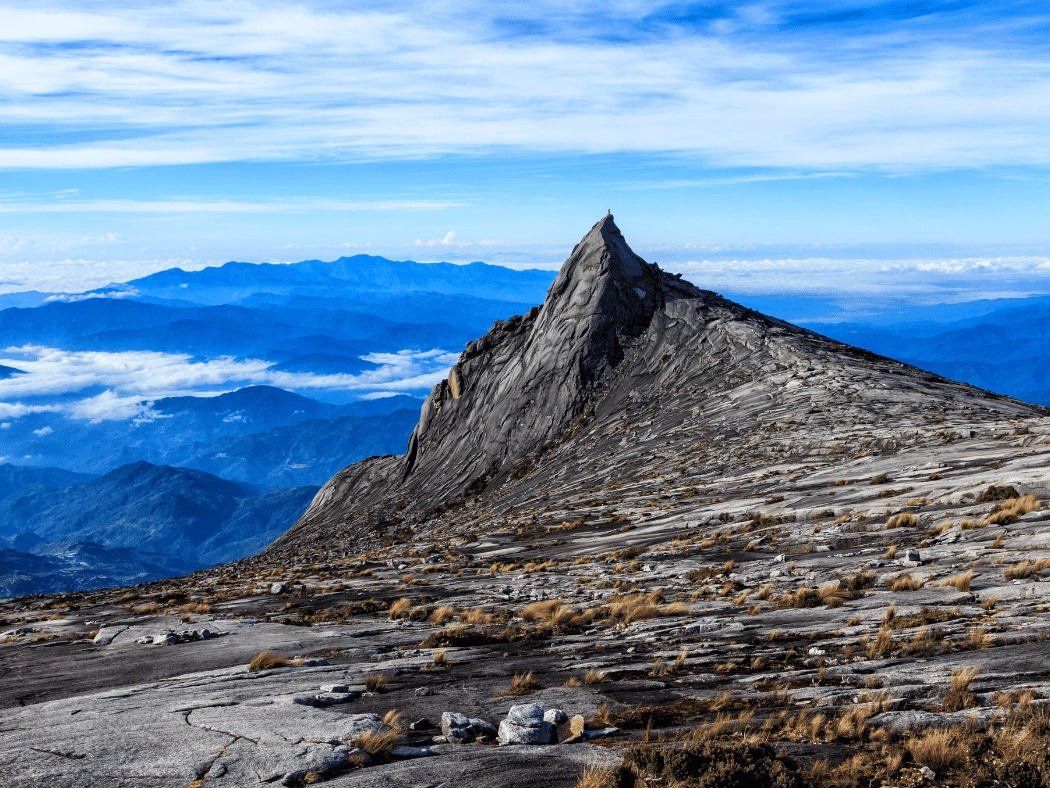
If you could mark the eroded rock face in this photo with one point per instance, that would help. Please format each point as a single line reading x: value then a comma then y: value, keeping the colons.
x: 621, y: 348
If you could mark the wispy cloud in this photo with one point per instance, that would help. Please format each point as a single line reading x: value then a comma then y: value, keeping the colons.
x: 188, y: 206
x: 99, y: 386
x: 870, y: 280
x: 845, y: 84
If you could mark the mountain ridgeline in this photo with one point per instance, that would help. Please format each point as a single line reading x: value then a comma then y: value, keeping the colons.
x: 557, y: 399
x: 137, y: 522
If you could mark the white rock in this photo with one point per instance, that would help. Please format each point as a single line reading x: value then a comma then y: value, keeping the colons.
x: 555, y: 716
x: 106, y: 634
x: 519, y: 734
x: 526, y: 715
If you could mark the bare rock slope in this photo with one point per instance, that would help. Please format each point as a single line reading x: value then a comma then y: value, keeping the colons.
x: 641, y: 531
x: 626, y: 371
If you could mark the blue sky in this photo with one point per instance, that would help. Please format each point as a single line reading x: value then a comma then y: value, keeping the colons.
x: 879, y: 147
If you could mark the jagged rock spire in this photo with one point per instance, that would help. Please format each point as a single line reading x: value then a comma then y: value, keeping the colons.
x: 526, y: 380
x: 670, y: 371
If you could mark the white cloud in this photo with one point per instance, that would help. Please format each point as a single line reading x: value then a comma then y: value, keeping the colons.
x: 219, y: 206
x: 274, y: 81
x: 131, y: 380
x: 911, y: 280
x: 43, y: 431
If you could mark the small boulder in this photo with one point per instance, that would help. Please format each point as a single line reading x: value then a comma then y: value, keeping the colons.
x: 526, y: 715
x: 518, y: 734
x: 424, y: 691
x: 461, y: 729
x: 577, y: 724
x: 555, y: 716
x: 277, y: 588
x: 105, y: 635
x: 525, y: 724
x: 334, y: 688
x: 911, y: 558
x: 455, y: 727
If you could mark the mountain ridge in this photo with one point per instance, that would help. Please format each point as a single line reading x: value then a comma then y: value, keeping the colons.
x: 616, y: 335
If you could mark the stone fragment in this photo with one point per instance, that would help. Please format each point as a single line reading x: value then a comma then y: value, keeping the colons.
x: 577, y: 724
x: 483, y: 731
x: 411, y: 752
x: 106, y: 634
x: 555, y: 716
x: 277, y: 588
x: 518, y: 734
x: 911, y: 558
x: 334, y: 688
x: 526, y: 715
x: 424, y: 691
x: 461, y: 729
x: 525, y: 724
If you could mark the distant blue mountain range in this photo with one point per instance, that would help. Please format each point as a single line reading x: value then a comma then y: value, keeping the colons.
x: 138, y: 522
x: 1001, y: 349
x: 185, y: 418
x: 284, y: 374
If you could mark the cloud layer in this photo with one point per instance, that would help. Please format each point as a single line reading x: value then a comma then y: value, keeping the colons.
x: 825, y: 85
x: 99, y: 386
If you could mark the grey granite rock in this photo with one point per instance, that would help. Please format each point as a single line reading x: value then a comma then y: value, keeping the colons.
x: 616, y: 335
x: 509, y: 733
x: 526, y: 715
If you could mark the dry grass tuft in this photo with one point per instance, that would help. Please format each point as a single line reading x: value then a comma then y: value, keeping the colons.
x: 635, y: 607
x: 958, y: 696
x: 978, y: 638
x: 380, y: 743
x: 478, y: 615
x: 440, y: 659
x: 1026, y: 569
x: 939, y: 749
x: 375, y: 683
x: 268, y: 660
x: 595, y: 676
x: 598, y: 777
x: 400, y: 608
x: 1010, y: 510
x: 902, y: 520
x: 960, y: 582
x: 520, y: 684
x: 906, y: 583
x: 442, y: 615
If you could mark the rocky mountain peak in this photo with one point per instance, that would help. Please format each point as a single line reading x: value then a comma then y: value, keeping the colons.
x: 625, y: 370
x: 525, y: 381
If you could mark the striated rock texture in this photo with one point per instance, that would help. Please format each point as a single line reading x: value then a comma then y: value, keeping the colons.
x: 618, y: 347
